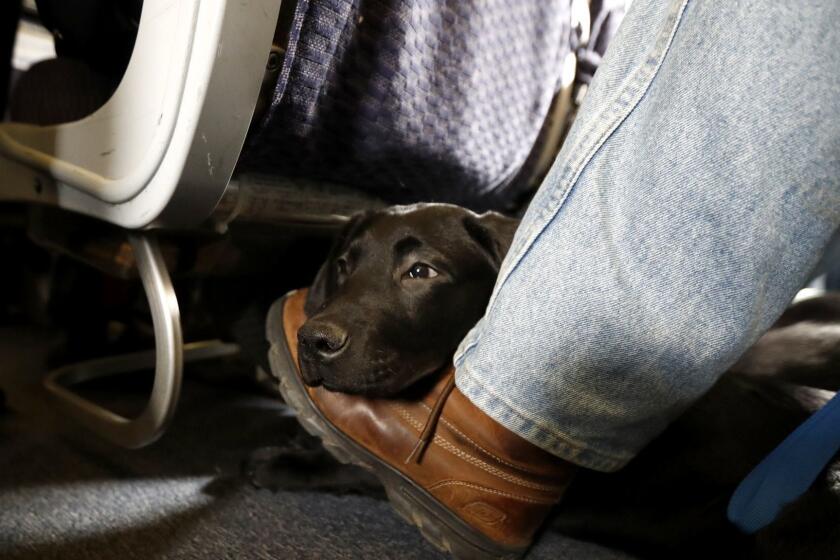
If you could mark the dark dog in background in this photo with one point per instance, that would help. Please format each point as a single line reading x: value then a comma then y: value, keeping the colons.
x: 401, y: 288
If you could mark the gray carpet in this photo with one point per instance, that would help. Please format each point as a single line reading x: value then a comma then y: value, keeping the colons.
x: 67, y: 495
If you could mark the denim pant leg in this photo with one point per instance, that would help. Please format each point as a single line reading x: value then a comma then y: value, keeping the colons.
x: 696, y: 191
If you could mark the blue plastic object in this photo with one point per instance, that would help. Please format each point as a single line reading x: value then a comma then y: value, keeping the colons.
x: 788, y: 471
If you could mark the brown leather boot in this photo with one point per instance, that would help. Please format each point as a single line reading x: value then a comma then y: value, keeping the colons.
x: 471, y: 486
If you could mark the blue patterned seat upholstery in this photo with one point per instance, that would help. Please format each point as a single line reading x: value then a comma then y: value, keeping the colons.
x: 413, y: 99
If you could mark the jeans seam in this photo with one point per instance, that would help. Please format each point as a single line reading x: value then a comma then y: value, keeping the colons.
x: 612, y: 116
x: 459, y: 355
x: 607, y: 459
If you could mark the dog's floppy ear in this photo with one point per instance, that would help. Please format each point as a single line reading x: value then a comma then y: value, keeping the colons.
x: 492, y: 232
x: 325, y: 282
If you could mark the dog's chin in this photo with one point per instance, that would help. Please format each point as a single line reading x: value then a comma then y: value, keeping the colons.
x: 372, y: 391
x: 381, y: 384
x: 310, y: 373
x: 381, y: 388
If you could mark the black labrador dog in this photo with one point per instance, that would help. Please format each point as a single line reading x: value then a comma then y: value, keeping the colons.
x: 397, y: 293
x: 400, y: 289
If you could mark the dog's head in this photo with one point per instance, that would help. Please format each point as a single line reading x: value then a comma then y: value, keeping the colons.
x: 399, y: 290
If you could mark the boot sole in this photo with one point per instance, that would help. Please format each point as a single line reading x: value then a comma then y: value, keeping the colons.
x: 436, y: 522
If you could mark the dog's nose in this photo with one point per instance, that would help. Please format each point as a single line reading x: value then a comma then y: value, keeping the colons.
x: 323, y: 340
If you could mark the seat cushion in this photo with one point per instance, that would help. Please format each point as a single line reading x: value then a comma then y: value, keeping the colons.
x: 413, y: 100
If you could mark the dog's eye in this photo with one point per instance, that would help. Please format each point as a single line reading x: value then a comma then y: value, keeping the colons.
x: 421, y: 271
x: 341, y: 266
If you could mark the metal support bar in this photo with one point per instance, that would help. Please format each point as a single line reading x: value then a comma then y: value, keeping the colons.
x: 167, y: 359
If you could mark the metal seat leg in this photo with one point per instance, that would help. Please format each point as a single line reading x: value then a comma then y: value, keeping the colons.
x: 167, y: 359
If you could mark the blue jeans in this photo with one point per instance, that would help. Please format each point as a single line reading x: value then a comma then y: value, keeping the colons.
x: 697, y: 189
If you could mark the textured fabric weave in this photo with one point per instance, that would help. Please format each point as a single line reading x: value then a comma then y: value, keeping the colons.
x: 414, y: 100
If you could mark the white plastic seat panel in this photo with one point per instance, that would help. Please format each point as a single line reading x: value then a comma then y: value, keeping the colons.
x: 113, y: 153
x: 123, y: 163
